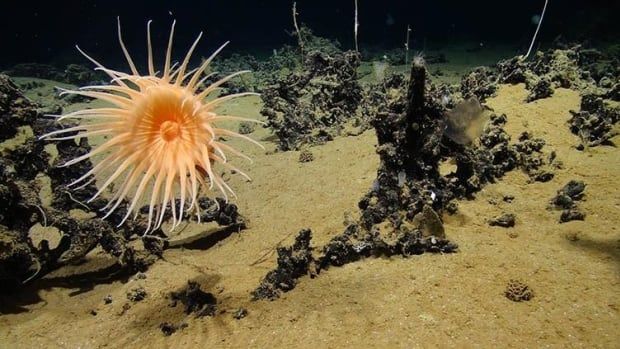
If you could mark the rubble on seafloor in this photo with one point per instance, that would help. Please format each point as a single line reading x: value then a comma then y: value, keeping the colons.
x: 23, y: 168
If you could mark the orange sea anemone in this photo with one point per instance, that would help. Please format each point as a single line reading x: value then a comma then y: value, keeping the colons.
x: 161, y: 135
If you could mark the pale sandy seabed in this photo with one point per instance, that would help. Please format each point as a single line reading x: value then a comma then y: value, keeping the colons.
x: 431, y: 300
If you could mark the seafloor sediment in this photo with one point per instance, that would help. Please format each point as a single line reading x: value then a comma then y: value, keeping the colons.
x: 565, y: 275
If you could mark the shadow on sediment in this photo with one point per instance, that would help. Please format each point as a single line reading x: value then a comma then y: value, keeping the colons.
x: 96, y: 270
x: 206, y: 239
x: 609, y: 248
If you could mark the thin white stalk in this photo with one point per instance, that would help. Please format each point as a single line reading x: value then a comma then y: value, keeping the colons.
x: 355, y: 27
x: 407, y: 45
x: 536, y: 32
x: 301, y: 42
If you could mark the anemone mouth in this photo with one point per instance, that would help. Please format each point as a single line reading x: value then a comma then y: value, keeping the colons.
x: 169, y: 114
x: 162, y: 141
x: 170, y: 130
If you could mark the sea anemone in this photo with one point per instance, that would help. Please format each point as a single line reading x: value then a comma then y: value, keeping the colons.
x: 161, y: 135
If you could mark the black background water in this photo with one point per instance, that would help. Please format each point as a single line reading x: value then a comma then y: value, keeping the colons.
x: 46, y: 31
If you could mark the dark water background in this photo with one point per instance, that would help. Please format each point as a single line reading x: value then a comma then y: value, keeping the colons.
x: 46, y: 31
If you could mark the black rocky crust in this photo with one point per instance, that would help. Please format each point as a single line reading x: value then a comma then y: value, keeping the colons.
x: 401, y: 214
x: 15, y: 109
x: 312, y: 106
x: 293, y: 263
x: 480, y: 83
x: 574, y: 67
x: 539, y: 88
x: 409, y: 136
x: 384, y: 95
x: 354, y: 244
x: 410, y: 129
x: 595, y: 122
x: 409, y: 132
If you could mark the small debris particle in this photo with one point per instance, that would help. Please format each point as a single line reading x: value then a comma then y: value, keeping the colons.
x: 571, y: 192
x: 168, y: 328
x: 107, y: 299
x: 506, y: 220
x: 567, y: 199
x: 572, y: 214
x: 306, y: 156
x: 195, y: 300
x: 452, y: 207
x: 240, y: 313
x: 508, y: 198
x: 126, y: 307
x: 246, y: 127
x: 137, y: 294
